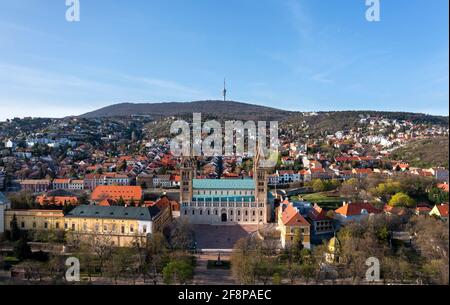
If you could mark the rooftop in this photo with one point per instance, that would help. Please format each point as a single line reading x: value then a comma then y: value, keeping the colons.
x: 224, y: 184
x: 224, y: 198
x: 114, y: 212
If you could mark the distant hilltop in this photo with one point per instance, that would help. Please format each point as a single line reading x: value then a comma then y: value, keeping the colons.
x: 243, y: 111
x: 225, y: 109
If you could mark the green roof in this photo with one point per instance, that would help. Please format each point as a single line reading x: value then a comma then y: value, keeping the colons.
x: 224, y: 198
x: 114, y: 212
x: 224, y: 184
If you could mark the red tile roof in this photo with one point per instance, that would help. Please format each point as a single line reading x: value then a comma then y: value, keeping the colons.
x: 317, y: 213
x: 443, y: 209
x: 291, y: 217
x: 352, y: 209
x: 127, y: 193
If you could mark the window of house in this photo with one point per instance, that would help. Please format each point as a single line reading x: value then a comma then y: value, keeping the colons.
x: 84, y: 226
x: 45, y: 225
x: 57, y: 225
x: 144, y: 229
x: 97, y: 227
x: 22, y: 224
x: 122, y: 229
x: 131, y: 228
x: 73, y: 227
x: 34, y: 225
x: 105, y: 228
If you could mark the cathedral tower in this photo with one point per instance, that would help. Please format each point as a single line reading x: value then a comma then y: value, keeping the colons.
x: 187, y: 175
x: 260, y: 177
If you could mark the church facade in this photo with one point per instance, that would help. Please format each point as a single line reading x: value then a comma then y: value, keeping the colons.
x: 224, y: 201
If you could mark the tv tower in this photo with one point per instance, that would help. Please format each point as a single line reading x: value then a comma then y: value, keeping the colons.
x: 224, y: 90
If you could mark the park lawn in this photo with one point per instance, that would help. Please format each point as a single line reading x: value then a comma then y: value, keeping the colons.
x: 324, y: 200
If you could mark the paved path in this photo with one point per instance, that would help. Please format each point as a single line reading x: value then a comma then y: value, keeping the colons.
x: 221, y: 236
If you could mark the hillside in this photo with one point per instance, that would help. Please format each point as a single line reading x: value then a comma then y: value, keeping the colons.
x: 424, y: 152
x: 228, y: 109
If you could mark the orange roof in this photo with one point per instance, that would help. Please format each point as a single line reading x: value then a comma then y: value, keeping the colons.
x: 127, y: 193
x: 443, y: 186
x: 443, y: 209
x: 352, y: 209
x: 106, y: 203
x: 56, y: 200
x: 291, y: 217
x: 61, y: 181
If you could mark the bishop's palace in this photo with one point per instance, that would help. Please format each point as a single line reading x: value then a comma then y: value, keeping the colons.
x: 224, y: 201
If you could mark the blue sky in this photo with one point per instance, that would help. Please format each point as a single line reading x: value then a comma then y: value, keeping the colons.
x: 301, y: 55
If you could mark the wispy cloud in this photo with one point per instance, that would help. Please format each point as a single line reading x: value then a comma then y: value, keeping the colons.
x: 44, y: 92
x: 300, y: 18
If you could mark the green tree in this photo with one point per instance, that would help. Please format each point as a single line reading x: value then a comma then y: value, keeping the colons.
x: 402, y: 200
x: 15, y: 231
x: 22, y: 249
x: 178, y: 272
x: 318, y: 186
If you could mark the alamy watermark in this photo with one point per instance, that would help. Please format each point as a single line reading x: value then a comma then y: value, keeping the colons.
x: 212, y: 140
x: 73, y: 272
x: 373, y: 13
x: 373, y: 272
x: 73, y: 10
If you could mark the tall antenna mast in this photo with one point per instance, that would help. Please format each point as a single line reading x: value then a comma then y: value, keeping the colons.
x: 224, y: 90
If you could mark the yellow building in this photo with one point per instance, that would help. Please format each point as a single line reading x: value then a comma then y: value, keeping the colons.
x: 290, y: 223
x: 119, y: 225
x: 35, y: 219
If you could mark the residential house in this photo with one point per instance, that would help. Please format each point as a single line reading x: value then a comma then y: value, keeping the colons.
x: 162, y: 181
x: 76, y: 184
x: 290, y: 223
x: 145, y: 180
x: 354, y: 211
x: 35, y: 186
x: 60, y: 184
x: 440, y: 174
x: 321, y: 223
x: 441, y: 211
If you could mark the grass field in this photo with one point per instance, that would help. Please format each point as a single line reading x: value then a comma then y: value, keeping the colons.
x: 325, y: 200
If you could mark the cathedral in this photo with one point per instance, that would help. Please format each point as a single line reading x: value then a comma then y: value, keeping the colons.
x: 224, y: 201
